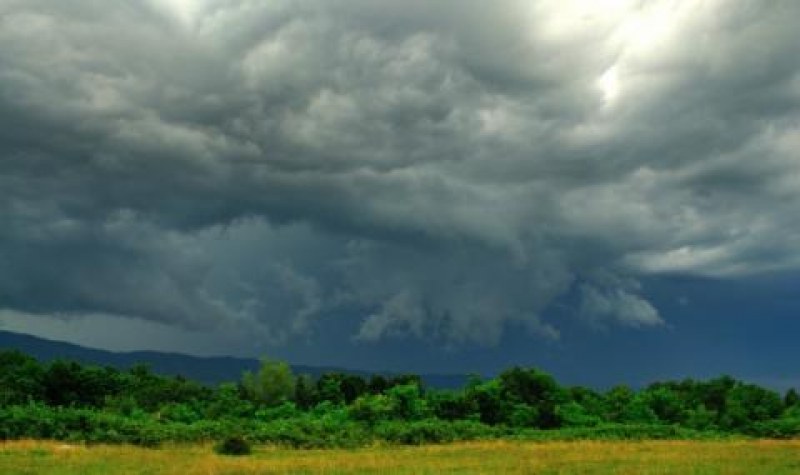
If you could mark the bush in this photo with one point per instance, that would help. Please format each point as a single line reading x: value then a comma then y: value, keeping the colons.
x: 573, y: 414
x: 234, y: 446
x: 372, y: 408
x: 178, y: 412
x: 787, y: 428
x: 286, y: 410
x: 433, y: 431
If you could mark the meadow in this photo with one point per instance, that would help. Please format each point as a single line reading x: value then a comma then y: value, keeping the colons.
x: 63, y: 417
x: 495, y: 457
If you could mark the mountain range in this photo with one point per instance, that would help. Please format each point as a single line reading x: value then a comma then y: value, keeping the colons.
x: 206, y: 369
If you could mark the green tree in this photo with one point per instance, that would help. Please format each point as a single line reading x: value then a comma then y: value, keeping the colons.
x: 352, y: 386
x: 791, y: 399
x: 573, y: 414
x: 329, y: 388
x: 227, y: 402
x: 624, y: 405
x: 401, y: 379
x: 714, y: 393
x: 701, y: 418
x: 591, y: 402
x: 305, y: 392
x: 372, y: 408
x: 665, y: 403
x: 452, y: 405
x: 21, y: 378
x: 67, y: 383
x: 616, y: 400
x: 488, y: 398
x: 377, y: 384
x: 271, y: 385
x: 536, y: 389
x: 638, y: 411
x: 748, y: 403
x: 407, y: 402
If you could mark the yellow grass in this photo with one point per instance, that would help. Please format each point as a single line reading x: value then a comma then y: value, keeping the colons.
x: 652, y: 457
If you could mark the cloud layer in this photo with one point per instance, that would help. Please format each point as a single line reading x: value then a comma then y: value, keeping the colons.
x: 441, y: 171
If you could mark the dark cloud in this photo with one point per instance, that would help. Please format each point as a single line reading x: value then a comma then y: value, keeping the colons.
x: 437, y: 171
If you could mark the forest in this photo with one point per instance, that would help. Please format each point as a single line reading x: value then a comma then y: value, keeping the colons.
x: 66, y: 400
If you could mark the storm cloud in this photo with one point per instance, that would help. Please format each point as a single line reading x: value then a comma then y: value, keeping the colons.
x: 438, y: 171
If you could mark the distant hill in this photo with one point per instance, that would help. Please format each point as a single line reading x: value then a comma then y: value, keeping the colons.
x: 209, y: 370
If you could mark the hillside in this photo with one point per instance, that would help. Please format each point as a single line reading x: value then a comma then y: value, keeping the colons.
x: 209, y: 370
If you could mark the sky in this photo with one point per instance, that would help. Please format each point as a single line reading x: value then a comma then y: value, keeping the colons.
x: 609, y: 190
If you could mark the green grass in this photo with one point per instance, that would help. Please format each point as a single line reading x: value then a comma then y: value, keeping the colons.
x: 583, y: 457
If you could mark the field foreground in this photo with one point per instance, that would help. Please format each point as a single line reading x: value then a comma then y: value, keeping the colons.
x: 650, y: 457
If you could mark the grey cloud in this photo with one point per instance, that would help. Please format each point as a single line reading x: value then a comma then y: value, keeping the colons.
x: 441, y: 170
x: 617, y: 305
x: 460, y: 293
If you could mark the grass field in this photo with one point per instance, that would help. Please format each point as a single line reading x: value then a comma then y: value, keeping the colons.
x: 654, y: 457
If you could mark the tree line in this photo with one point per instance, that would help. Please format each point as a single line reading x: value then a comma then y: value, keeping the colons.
x: 70, y: 401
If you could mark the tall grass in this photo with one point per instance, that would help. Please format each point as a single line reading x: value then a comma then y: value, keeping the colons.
x: 579, y: 457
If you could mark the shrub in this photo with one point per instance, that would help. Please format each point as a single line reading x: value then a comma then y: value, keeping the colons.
x: 371, y: 408
x: 573, y: 414
x: 234, y: 445
x: 775, y: 429
x: 286, y: 410
x: 178, y: 412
